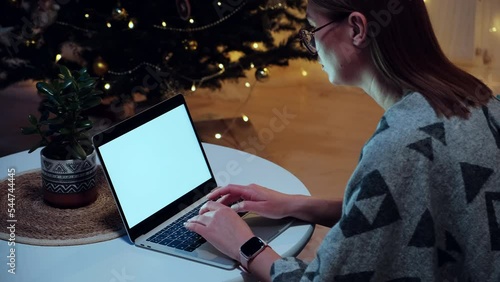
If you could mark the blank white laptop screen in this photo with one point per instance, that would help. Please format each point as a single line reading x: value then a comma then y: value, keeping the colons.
x: 149, y: 172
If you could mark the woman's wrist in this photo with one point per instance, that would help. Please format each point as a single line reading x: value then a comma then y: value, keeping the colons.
x: 314, y: 210
x: 297, y: 206
x: 260, y: 266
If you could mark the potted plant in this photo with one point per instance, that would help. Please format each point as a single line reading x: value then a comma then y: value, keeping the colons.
x: 68, y: 159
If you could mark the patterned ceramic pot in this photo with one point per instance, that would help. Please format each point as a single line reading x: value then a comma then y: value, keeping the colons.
x: 69, y: 183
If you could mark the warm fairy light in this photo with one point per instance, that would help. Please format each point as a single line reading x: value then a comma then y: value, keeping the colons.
x: 493, y: 29
x: 252, y: 65
x: 193, y: 88
x: 87, y: 16
x: 58, y: 57
x: 191, y: 20
x: 108, y: 25
x: 247, y: 84
x: 245, y: 118
x: 164, y: 24
x: 107, y: 86
x: 255, y: 45
x: 218, y: 135
x: 130, y: 24
x: 304, y: 72
x: 221, y: 66
x: 219, y: 3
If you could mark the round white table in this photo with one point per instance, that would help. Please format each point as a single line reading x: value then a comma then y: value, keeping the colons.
x: 119, y: 261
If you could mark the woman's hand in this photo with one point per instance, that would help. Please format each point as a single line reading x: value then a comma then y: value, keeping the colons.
x: 222, y: 227
x: 253, y: 198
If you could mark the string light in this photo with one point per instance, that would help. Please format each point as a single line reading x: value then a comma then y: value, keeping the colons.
x: 218, y: 136
x: 252, y: 65
x: 28, y: 43
x: 493, y: 29
x: 245, y: 118
x: 134, y: 69
x: 255, y: 45
x: 221, y: 20
x: 304, y: 72
x: 219, y: 4
x: 75, y: 27
x: 163, y: 24
x: 107, y: 86
x: 131, y: 25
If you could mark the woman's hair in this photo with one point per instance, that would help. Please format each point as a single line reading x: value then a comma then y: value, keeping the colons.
x: 405, y: 50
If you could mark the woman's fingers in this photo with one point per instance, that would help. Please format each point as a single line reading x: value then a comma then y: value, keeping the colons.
x: 248, y: 206
x: 210, y: 206
x: 231, y: 189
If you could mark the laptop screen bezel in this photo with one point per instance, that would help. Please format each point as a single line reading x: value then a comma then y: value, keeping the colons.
x: 173, y: 208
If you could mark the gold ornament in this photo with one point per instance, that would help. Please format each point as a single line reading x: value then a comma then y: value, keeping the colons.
x: 100, y: 67
x: 190, y: 44
x: 119, y: 14
x: 262, y: 74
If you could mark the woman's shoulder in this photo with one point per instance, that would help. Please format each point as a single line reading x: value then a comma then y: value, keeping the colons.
x: 411, y: 125
x: 405, y: 121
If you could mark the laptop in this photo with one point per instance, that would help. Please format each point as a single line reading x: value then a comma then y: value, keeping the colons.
x: 159, y: 176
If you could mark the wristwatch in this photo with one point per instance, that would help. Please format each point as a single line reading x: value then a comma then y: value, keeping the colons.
x: 250, y: 250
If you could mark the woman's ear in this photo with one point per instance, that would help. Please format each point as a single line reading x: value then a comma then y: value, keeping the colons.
x: 359, y: 25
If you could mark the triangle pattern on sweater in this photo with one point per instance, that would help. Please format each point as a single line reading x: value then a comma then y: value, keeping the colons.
x: 436, y: 131
x: 424, y: 147
x: 474, y: 177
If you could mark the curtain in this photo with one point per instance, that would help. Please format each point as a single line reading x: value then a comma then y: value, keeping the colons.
x: 487, y: 32
x: 469, y: 34
x: 487, y: 40
x: 454, y: 24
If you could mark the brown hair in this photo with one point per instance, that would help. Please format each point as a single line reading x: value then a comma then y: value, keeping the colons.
x: 406, y: 51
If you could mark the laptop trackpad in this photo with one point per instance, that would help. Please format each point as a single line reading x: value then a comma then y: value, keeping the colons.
x: 266, y: 228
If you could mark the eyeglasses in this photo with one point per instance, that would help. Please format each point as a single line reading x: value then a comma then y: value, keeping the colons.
x: 307, y: 38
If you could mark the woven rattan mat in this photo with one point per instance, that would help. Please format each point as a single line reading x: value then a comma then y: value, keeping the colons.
x: 40, y: 224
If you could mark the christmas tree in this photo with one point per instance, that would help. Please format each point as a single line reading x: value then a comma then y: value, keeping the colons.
x: 156, y: 48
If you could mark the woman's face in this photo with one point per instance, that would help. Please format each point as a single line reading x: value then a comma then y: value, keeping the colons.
x: 339, y: 58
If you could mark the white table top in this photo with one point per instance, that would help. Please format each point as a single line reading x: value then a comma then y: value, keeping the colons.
x: 119, y: 261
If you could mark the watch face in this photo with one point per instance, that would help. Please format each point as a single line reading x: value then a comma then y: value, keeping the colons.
x: 252, y: 246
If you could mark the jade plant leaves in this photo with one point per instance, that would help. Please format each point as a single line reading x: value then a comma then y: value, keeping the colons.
x: 63, y: 125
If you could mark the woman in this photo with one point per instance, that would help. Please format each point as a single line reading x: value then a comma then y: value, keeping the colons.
x: 423, y: 203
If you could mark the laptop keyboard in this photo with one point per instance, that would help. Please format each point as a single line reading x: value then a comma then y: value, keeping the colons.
x: 177, y: 236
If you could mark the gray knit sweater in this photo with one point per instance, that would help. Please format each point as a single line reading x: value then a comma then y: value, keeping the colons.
x: 422, y: 205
